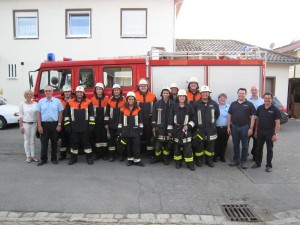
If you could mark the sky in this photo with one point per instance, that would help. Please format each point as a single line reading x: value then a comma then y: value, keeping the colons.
x: 256, y: 22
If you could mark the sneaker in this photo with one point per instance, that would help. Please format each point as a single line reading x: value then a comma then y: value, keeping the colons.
x: 35, y: 159
x: 268, y: 169
x: 255, y: 165
x: 28, y: 160
x: 244, y: 165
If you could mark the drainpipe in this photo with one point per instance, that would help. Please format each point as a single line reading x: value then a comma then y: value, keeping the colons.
x: 174, y: 24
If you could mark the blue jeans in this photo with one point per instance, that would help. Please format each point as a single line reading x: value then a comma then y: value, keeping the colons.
x: 240, y: 134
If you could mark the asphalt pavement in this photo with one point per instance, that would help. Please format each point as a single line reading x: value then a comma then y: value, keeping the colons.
x: 111, y: 192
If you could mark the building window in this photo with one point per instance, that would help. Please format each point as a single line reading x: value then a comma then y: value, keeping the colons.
x: 133, y: 23
x: 117, y: 75
x: 12, y: 71
x: 78, y: 23
x: 25, y: 24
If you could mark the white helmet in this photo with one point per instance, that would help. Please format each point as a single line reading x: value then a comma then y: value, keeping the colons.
x: 166, y: 88
x: 116, y: 86
x: 130, y: 94
x: 100, y: 85
x: 66, y: 88
x: 173, y: 85
x: 181, y: 92
x: 143, y: 81
x: 80, y: 88
x: 204, y: 88
x: 193, y: 79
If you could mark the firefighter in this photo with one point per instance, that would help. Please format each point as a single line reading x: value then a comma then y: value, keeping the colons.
x: 99, y: 102
x: 193, y: 94
x: 180, y: 124
x: 80, y: 122
x: 130, y: 129
x: 160, y: 115
x: 207, y: 112
x: 174, y: 92
x: 115, y: 103
x: 146, y: 99
x: 65, y: 137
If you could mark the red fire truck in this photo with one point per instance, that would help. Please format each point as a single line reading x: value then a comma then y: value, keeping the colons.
x: 223, y: 72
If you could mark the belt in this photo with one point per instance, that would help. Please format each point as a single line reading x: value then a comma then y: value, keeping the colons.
x: 222, y: 127
x: 29, y: 122
x: 240, y: 125
x: 49, y: 122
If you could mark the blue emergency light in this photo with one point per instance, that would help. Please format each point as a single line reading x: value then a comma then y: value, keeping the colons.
x: 50, y: 57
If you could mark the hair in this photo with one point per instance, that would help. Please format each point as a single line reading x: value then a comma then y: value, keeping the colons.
x: 242, y: 89
x: 268, y: 93
x: 162, y: 91
x: 222, y: 95
x: 135, y: 104
x: 27, y: 92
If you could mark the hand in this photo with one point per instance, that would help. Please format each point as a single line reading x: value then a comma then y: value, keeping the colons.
x: 228, y: 130
x: 275, y: 138
x: 185, y: 128
x: 40, y: 129
x: 106, y: 127
x: 153, y: 132
x: 58, y: 128
x: 250, y: 132
x: 141, y: 134
x: 22, y: 130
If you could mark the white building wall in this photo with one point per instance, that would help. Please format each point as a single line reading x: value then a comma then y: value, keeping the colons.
x: 105, y: 40
x: 281, y: 73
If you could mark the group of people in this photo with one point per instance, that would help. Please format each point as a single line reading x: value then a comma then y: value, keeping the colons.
x: 189, y: 125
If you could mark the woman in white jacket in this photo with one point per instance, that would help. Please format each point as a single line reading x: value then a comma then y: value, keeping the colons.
x: 28, y: 125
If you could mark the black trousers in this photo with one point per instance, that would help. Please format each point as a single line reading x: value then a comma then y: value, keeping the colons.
x: 49, y: 133
x: 65, y: 140
x: 133, y: 148
x: 185, y: 150
x: 264, y: 136
x: 221, y: 142
x: 80, y: 140
x: 254, y: 146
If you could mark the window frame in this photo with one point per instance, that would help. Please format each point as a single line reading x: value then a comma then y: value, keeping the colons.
x: 31, y: 13
x: 114, y: 69
x: 77, y: 12
x: 122, y: 34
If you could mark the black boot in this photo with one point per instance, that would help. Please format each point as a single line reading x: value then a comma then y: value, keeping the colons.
x: 111, y: 156
x: 155, y: 159
x: 122, y: 157
x: 104, y: 153
x: 178, y: 164
x: 62, y: 156
x: 73, y: 159
x: 97, y: 154
x: 140, y: 163
x: 199, y: 161
x: 89, y: 159
x: 191, y: 166
x: 166, y: 160
x: 209, y: 161
x: 129, y: 162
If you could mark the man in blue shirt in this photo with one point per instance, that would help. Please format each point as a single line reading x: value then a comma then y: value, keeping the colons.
x: 256, y: 101
x: 49, y: 117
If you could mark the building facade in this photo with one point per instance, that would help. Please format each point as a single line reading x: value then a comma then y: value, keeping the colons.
x: 90, y: 29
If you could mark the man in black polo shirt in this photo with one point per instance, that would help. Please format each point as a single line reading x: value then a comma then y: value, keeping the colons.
x: 240, y: 124
x: 267, y: 128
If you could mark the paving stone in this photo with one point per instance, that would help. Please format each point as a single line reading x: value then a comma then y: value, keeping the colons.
x: 14, y: 215
x: 281, y: 215
x: 133, y: 216
x: 119, y: 216
x: 3, y: 213
x: 148, y: 217
x: 284, y: 221
x: 193, y: 218
x: 92, y: 216
x: 177, y: 218
x: 163, y: 218
x: 29, y: 214
x: 107, y: 216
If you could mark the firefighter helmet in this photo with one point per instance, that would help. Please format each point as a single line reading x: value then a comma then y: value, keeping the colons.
x: 130, y: 94
x: 173, y: 85
x: 100, y: 85
x: 116, y: 86
x: 80, y: 88
x: 181, y: 92
x: 204, y: 88
x: 193, y: 79
x: 143, y: 82
x: 66, y: 88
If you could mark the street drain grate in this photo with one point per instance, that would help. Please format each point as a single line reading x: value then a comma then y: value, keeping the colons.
x: 240, y: 212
